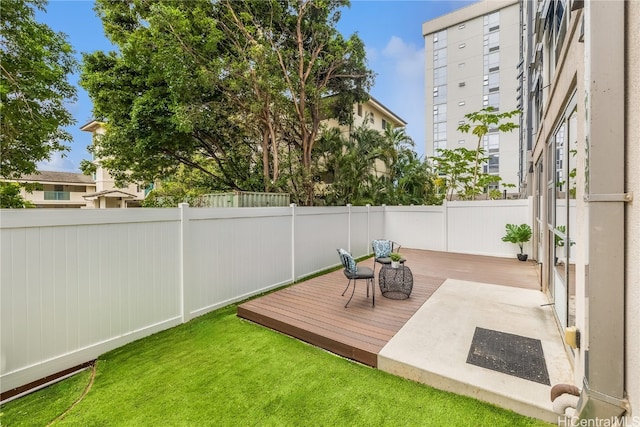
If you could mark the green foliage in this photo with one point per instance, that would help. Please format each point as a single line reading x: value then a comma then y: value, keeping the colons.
x: 559, y: 241
x: 235, y: 90
x: 221, y: 370
x: 33, y: 89
x: 481, y: 123
x: 395, y: 256
x: 518, y: 234
x: 10, y: 197
x: 372, y: 168
x: 185, y: 186
x: 458, y: 169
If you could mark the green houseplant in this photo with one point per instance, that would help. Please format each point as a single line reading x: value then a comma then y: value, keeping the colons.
x: 395, y: 259
x: 518, y: 234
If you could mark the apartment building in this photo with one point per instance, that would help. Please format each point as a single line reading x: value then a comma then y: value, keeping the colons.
x: 373, y: 114
x: 50, y: 189
x: 581, y: 102
x: 107, y: 194
x: 472, y: 57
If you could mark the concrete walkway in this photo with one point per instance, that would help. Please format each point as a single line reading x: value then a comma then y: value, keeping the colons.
x: 432, y: 347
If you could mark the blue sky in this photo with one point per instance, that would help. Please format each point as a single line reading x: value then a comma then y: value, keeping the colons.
x: 391, y: 31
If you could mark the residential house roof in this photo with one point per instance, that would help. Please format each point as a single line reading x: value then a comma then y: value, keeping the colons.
x: 57, y: 177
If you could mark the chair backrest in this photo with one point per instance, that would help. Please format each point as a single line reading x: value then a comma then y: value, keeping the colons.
x: 382, y: 248
x: 347, y: 260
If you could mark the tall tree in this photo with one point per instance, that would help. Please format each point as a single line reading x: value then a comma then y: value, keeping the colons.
x: 35, y: 63
x: 324, y: 73
x: 162, y: 98
x: 234, y: 82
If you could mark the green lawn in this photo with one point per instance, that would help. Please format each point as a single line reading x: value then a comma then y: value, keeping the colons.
x: 220, y: 370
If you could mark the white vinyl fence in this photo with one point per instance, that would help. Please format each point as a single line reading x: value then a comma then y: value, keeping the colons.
x: 77, y: 283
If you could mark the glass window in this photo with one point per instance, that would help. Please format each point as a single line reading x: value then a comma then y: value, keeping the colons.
x: 492, y: 142
x: 439, y: 58
x: 440, y: 131
x: 439, y: 76
x: 440, y: 39
x: 439, y: 113
x: 494, y: 100
x: 440, y: 94
x: 492, y: 166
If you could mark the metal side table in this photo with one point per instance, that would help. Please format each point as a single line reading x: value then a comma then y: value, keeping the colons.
x: 395, y: 283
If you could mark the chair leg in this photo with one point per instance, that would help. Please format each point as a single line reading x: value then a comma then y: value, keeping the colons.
x: 345, y: 289
x: 352, y: 292
x: 373, y: 291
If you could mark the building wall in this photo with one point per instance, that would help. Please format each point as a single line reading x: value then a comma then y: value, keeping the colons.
x: 377, y: 115
x: 584, y: 71
x: 104, y: 180
x: 632, y: 185
x: 466, y: 79
x: 43, y: 198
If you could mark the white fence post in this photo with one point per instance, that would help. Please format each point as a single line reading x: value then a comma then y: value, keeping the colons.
x: 184, y: 236
x: 445, y: 225
x: 349, y: 227
x: 368, y: 228
x: 293, y: 242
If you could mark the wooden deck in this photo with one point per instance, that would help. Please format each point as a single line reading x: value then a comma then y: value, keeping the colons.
x: 313, y: 311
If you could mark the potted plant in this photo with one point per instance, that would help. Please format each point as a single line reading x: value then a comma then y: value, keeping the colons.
x: 518, y: 234
x: 395, y: 259
x: 559, y: 241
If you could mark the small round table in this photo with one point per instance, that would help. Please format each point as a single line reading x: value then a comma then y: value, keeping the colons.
x: 395, y: 283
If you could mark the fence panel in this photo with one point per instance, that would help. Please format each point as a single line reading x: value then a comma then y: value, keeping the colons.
x: 82, y: 286
x: 318, y: 233
x: 233, y: 253
x: 417, y: 227
x: 360, y: 234
x: 477, y: 227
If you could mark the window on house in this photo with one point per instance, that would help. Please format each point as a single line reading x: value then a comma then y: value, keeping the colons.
x: 462, y: 45
x: 461, y: 141
x: 461, y: 26
x: 461, y: 65
x: 462, y: 84
x: 360, y: 110
x: 384, y: 124
x: 461, y: 103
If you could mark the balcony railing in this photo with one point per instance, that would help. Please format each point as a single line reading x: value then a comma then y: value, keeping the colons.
x: 57, y: 195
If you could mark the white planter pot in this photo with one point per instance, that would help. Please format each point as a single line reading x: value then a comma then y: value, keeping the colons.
x: 395, y: 264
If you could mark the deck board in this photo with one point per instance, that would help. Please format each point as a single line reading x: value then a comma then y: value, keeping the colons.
x: 313, y: 311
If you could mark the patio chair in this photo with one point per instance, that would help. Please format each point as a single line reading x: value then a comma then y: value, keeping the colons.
x: 382, y: 248
x: 354, y: 272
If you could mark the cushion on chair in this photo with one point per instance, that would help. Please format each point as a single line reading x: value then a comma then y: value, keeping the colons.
x: 381, y: 248
x: 362, y: 273
x: 350, y: 262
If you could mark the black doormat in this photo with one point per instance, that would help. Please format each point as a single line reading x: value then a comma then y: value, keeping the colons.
x: 510, y: 354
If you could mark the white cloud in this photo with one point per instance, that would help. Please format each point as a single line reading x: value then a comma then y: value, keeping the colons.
x: 409, y: 59
x: 400, y: 85
x: 58, y: 163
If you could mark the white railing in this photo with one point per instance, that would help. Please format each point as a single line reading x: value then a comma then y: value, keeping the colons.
x: 77, y: 283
